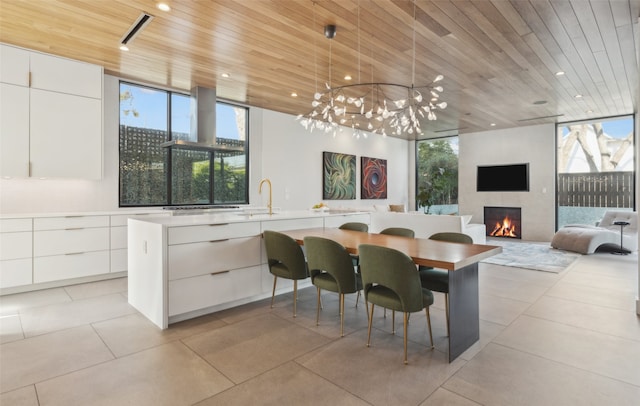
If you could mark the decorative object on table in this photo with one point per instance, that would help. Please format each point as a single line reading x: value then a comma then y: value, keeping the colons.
x: 377, y: 107
x: 539, y: 257
x: 373, y: 183
x: 320, y: 207
x: 338, y: 176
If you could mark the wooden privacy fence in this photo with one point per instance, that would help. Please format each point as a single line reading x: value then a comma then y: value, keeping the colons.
x: 596, y: 189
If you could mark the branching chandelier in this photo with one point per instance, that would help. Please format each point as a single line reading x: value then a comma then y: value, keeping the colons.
x: 381, y: 108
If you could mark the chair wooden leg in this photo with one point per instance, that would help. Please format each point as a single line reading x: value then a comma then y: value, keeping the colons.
x: 341, y: 314
x: 370, y: 323
x: 273, y: 292
x: 446, y: 308
x: 406, y: 324
x: 295, y: 296
x: 357, y: 298
x: 318, y: 308
x: 429, y: 326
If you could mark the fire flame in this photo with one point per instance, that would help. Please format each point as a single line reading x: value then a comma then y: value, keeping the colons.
x: 504, y: 229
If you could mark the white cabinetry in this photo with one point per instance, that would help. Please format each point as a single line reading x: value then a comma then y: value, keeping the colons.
x: 118, y: 238
x: 335, y: 221
x: 212, y: 264
x: 70, y: 247
x: 15, y: 252
x: 50, y: 116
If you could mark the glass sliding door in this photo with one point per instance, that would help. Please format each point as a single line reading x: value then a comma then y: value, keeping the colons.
x: 595, y: 164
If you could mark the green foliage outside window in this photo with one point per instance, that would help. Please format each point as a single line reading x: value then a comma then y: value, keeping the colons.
x: 152, y: 175
x: 436, y: 174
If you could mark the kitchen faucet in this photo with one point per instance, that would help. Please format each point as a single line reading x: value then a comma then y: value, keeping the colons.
x: 270, y: 205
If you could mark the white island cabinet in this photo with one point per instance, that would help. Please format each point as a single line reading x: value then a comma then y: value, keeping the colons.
x: 185, y: 266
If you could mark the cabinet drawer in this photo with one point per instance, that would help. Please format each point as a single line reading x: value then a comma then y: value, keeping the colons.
x: 15, y: 272
x: 71, y: 241
x: 292, y: 224
x: 15, y: 245
x: 187, y: 260
x: 190, y: 294
x: 118, y: 237
x: 15, y: 225
x: 59, y: 267
x: 63, y: 223
x: 209, y: 232
x: 119, y: 260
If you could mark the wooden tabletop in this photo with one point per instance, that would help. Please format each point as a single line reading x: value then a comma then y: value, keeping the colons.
x: 438, y: 254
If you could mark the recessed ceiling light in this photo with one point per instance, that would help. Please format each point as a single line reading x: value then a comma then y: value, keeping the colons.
x: 347, y: 77
x: 492, y: 124
x: 560, y: 73
x: 589, y: 111
x: 123, y: 47
x: 163, y: 6
x: 225, y: 75
x: 578, y: 96
x: 294, y: 94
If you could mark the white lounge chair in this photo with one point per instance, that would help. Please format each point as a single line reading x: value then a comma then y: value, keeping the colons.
x: 585, y: 239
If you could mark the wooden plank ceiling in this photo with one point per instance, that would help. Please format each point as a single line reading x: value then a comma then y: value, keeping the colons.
x: 499, y: 57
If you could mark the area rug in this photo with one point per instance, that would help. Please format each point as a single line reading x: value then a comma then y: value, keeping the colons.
x: 540, y: 257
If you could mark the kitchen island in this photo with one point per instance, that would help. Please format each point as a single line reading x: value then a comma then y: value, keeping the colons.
x: 181, y: 267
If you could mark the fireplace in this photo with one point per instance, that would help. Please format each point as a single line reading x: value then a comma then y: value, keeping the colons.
x: 505, y: 222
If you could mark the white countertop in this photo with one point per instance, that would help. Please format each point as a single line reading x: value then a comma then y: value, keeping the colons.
x: 238, y: 216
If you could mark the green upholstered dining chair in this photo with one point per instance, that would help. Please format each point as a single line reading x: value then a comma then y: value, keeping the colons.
x: 437, y: 280
x: 331, y: 269
x: 355, y: 226
x: 286, y: 260
x: 401, y: 231
x: 391, y: 281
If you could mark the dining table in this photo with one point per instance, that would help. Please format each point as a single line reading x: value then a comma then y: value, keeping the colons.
x: 459, y: 259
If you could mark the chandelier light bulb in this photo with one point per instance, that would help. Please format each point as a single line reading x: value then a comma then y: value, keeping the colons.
x: 438, y: 78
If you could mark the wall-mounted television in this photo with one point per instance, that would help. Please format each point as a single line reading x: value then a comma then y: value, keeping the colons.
x: 503, y: 178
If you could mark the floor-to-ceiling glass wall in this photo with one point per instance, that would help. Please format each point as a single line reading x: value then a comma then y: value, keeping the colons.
x: 595, y: 169
x: 437, y: 175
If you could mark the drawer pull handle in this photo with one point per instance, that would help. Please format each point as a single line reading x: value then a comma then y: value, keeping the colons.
x: 219, y: 273
x: 222, y: 240
x: 74, y: 253
x: 219, y: 224
x: 74, y: 228
x: 72, y: 217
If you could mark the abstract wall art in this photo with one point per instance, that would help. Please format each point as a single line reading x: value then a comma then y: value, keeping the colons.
x: 338, y: 176
x: 373, y: 184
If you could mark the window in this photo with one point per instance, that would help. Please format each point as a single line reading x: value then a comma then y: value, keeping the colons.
x: 151, y: 175
x: 437, y: 175
x: 595, y: 163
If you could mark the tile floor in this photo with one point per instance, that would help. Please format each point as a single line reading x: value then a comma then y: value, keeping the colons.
x: 546, y: 339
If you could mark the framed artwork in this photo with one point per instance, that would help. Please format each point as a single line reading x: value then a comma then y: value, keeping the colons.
x: 373, y: 184
x: 338, y: 176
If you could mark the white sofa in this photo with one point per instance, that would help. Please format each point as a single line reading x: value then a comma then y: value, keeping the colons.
x: 585, y: 239
x: 425, y: 225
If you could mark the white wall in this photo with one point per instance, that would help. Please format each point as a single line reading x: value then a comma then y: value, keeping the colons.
x: 534, y: 145
x: 292, y: 158
x: 280, y: 149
